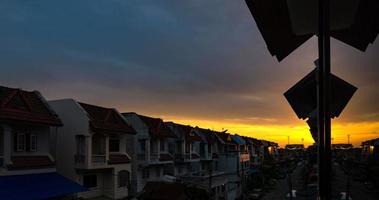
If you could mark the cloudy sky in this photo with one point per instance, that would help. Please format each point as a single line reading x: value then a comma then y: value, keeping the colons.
x: 195, y: 62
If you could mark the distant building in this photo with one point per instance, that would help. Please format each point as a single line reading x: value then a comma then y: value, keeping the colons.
x: 370, y: 149
x: 152, y: 160
x: 92, y: 148
x: 27, y: 148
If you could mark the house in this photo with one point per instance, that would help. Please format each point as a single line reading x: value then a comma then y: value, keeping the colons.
x: 370, y: 150
x: 294, y: 151
x: 27, y: 155
x: 152, y: 160
x: 232, y: 161
x: 92, y: 148
x: 186, y: 149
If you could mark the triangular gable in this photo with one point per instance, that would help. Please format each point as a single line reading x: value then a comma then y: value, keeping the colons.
x: 17, y: 101
x: 112, y: 117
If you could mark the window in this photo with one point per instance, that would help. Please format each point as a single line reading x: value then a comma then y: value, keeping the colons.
x: 145, y: 173
x: 188, y: 147
x: 90, y: 181
x: 142, y: 144
x: 80, y: 145
x: 114, y: 145
x: 33, y: 143
x: 123, y: 179
x: 158, y: 172
x: 20, y: 142
x: 162, y: 145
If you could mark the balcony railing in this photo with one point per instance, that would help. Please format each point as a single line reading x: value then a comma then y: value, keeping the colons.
x: 80, y: 159
x: 98, y: 159
x: 154, y: 157
x: 182, y: 157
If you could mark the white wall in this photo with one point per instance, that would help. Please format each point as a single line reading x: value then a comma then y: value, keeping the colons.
x: 75, y: 122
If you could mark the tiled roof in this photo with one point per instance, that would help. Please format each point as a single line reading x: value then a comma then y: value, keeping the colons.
x: 374, y: 142
x: 189, y: 134
x: 208, y: 135
x: 157, y: 128
x: 25, y: 106
x: 165, y: 157
x: 118, y: 159
x: 30, y: 162
x: 195, y: 156
x: 106, y: 120
x: 226, y: 138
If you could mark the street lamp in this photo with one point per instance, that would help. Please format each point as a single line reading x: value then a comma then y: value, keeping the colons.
x: 287, y: 24
x: 304, y: 15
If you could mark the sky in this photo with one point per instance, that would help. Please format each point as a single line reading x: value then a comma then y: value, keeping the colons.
x: 196, y: 62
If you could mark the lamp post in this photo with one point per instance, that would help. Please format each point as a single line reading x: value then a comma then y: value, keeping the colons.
x: 286, y: 25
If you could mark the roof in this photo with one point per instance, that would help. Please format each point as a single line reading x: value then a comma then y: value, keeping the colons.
x: 294, y: 146
x: 157, y: 128
x: 273, y: 20
x: 238, y: 139
x: 118, y: 159
x: 342, y: 146
x: 225, y: 138
x: 30, y: 162
x: 165, y: 157
x: 207, y: 135
x: 171, y: 191
x: 374, y: 142
x: 189, y: 134
x: 106, y: 120
x: 37, y: 186
x: 25, y: 106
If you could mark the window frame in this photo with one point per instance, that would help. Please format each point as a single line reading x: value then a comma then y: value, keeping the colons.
x: 118, y: 146
x: 31, y: 147
x: 18, y: 144
x: 123, y: 183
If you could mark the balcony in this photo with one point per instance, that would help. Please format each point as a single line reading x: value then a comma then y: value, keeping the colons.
x: 182, y: 157
x: 99, y: 159
x: 154, y: 157
x: 206, y: 156
x: 80, y: 159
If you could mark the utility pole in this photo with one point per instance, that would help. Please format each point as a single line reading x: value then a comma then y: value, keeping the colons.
x: 288, y: 139
x: 348, y: 138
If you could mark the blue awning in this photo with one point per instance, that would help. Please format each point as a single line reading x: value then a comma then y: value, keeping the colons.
x: 238, y: 139
x: 37, y: 186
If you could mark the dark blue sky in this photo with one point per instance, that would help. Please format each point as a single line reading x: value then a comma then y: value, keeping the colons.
x: 195, y: 59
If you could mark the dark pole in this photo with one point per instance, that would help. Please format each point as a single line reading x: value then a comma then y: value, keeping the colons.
x: 324, y: 122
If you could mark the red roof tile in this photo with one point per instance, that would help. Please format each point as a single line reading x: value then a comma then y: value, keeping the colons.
x: 189, y: 134
x: 30, y: 162
x: 118, y: 159
x: 165, y: 157
x: 157, y: 128
x: 106, y: 120
x: 226, y: 138
x: 24, y: 106
x: 195, y: 156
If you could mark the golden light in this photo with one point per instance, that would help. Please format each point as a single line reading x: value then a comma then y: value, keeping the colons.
x: 371, y: 150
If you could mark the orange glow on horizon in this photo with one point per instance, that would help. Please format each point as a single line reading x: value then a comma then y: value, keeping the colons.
x: 359, y: 131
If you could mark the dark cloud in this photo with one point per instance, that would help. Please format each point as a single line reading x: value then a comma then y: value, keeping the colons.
x: 203, y: 59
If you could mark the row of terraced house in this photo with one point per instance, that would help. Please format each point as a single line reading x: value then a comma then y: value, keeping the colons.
x: 66, y: 148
